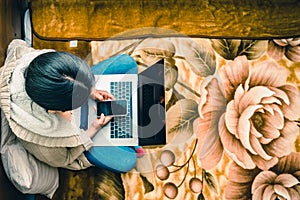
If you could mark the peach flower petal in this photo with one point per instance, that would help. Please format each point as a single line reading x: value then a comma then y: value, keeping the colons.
x: 234, y: 148
x: 268, y: 108
x: 239, y: 93
x: 254, y: 96
x: 280, y: 94
x: 274, y: 119
x: 213, y: 99
x: 212, y: 157
x: 283, y: 145
x: 294, y: 41
x: 207, y: 134
x: 271, y: 100
x: 289, y: 164
x: 239, y: 175
x: 286, y: 180
x: 209, y: 148
x: 264, y: 164
x: 293, y: 53
x: 264, y: 140
x: 275, y: 51
x: 232, y: 118
x: 272, y: 108
x: 297, y: 174
x: 269, y: 131
x: 292, y: 111
x: 259, y: 192
x: 200, y: 128
x: 203, y: 99
x: 236, y: 191
x: 256, y: 145
x: 297, y: 187
x: 234, y: 74
x: 294, y: 194
x: 254, y: 132
x: 244, y: 126
x: 268, y: 192
x: 264, y: 177
x: 281, y: 42
x: 282, y: 191
x: 266, y: 74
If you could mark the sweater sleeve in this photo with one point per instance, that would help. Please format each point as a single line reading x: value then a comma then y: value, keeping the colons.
x: 86, y: 140
x: 64, y: 157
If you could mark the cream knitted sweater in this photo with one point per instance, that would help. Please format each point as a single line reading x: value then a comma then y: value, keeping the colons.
x: 48, y: 137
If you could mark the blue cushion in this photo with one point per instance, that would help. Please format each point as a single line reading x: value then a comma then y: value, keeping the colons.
x: 119, y: 64
x: 118, y: 159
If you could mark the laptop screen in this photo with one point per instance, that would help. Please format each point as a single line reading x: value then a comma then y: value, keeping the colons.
x: 151, y: 105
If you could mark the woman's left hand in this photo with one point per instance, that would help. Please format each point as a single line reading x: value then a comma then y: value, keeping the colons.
x: 97, y: 124
x: 101, y: 121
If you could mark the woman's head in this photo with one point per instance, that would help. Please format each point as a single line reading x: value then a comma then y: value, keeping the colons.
x: 58, y: 81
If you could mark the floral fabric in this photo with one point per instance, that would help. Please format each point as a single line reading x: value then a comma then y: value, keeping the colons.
x: 233, y: 109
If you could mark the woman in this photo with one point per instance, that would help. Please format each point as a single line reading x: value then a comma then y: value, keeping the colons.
x: 39, y: 89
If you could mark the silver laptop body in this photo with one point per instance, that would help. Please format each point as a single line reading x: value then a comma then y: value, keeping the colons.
x: 121, y: 130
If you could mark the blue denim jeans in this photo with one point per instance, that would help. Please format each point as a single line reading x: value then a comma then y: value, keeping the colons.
x: 115, y: 158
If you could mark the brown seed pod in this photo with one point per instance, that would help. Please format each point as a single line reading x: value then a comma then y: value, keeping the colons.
x: 170, y: 190
x: 167, y: 158
x: 162, y: 172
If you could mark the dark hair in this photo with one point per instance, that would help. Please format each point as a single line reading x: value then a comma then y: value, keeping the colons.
x: 58, y: 81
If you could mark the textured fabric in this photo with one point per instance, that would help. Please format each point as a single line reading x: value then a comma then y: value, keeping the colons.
x: 24, y: 171
x: 61, y: 149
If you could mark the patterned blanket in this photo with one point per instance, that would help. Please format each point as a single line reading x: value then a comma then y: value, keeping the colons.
x: 233, y: 109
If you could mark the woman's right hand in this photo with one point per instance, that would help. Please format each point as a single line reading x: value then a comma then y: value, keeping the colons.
x: 101, y: 95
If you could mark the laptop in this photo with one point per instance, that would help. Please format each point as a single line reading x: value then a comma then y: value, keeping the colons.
x: 144, y: 121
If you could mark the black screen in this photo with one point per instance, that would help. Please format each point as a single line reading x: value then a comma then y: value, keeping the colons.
x: 117, y: 107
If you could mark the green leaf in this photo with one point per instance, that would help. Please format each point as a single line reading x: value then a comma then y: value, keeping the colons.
x: 202, y: 60
x: 174, y: 98
x: 147, y: 185
x: 227, y: 48
x: 232, y: 48
x: 151, y: 50
x: 210, y: 181
x: 199, y: 55
x: 181, y: 116
x: 253, y: 49
x: 201, y: 196
x: 171, y: 76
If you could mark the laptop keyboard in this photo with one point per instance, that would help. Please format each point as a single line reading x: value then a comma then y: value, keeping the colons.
x: 121, y: 126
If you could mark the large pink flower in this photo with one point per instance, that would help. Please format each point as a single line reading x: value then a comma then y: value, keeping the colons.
x: 249, y: 113
x: 280, y: 182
